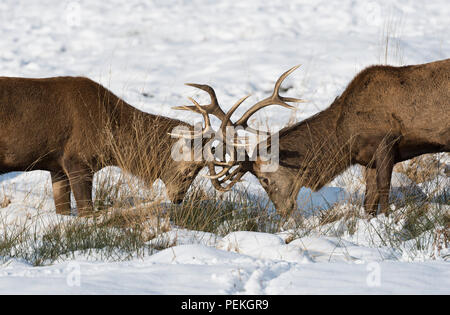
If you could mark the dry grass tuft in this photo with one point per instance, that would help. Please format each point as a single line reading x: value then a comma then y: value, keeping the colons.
x: 5, y: 202
x: 423, y: 168
x: 150, y: 220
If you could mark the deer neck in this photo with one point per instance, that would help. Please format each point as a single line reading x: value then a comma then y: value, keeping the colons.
x: 137, y: 141
x: 316, y: 148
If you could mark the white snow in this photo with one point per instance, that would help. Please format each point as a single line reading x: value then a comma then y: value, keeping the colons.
x: 197, y: 269
x: 144, y: 51
x: 263, y: 246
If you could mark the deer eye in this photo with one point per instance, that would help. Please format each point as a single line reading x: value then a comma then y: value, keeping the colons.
x: 265, y: 181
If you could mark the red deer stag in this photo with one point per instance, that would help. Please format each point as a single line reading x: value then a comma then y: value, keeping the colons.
x: 385, y: 115
x: 59, y: 125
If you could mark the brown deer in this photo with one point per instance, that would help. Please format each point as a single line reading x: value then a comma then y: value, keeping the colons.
x: 63, y: 124
x: 385, y: 115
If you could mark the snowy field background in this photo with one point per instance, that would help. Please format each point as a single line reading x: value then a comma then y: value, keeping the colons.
x: 145, y: 52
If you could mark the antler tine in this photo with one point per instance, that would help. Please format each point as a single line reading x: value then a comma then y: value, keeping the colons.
x: 216, y: 183
x: 201, y: 111
x: 274, y: 99
x: 229, y: 175
x: 182, y: 135
x: 236, y: 179
x: 227, y: 166
x: 207, y: 89
x: 227, y: 119
x: 212, y: 108
x: 197, y: 108
x: 236, y: 175
x: 280, y: 81
x: 213, y: 176
x: 232, y: 174
x: 220, y: 174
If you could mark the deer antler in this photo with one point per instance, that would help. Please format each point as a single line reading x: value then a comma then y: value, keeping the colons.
x: 212, y: 108
x: 228, y: 173
x: 274, y: 99
x: 197, y: 109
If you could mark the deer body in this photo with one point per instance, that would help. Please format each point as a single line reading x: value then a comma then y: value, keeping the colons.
x: 386, y: 115
x: 58, y: 124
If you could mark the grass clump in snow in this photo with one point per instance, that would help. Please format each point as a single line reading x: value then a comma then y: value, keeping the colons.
x: 111, y: 237
x: 224, y: 213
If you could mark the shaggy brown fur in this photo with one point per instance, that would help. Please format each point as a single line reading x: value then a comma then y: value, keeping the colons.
x: 386, y: 115
x: 61, y: 125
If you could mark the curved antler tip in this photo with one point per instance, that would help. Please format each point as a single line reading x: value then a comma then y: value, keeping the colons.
x: 299, y: 100
x: 293, y: 100
x: 293, y: 68
x: 245, y: 97
x: 196, y: 85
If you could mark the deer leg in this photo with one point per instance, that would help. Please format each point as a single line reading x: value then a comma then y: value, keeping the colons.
x: 61, y: 192
x: 80, y: 179
x: 371, y: 197
x: 385, y: 160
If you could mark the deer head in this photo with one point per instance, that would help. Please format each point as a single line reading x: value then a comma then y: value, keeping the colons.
x: 223, y: 173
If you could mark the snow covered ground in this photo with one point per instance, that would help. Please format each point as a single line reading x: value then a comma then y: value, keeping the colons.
x: 145, y: 50
x: 196, y: 269
x: 240, y: 263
